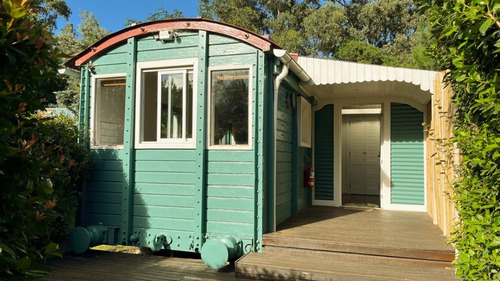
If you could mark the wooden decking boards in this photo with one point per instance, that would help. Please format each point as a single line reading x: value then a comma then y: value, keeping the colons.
x: 321, y: 243
x: 336, y: 266
x: 369, y: 231
x: 324, y: 243
x: 101, y: 265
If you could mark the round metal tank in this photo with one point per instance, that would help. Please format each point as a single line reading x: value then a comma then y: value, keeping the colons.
x: 215, y: 253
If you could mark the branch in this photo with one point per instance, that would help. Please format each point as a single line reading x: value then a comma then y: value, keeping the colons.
x: 489, y: 14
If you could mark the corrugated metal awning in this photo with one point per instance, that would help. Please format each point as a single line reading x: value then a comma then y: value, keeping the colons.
x: 333, y: 79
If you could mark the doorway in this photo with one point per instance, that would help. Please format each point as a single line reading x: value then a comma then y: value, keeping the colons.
x: 361, y: 155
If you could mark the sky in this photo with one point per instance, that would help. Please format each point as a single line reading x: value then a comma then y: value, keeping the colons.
x: 112, y: 13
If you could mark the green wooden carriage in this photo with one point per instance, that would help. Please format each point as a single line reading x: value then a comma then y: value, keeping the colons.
x: 202, y: 132
x: 181, y: 120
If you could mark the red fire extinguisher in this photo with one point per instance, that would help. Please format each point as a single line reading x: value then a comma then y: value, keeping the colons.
x: 309, y: 178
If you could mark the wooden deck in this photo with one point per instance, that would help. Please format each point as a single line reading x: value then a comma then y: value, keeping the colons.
x: 102, y: 265
x: 374, y: 232
x: 321, y: 243
x: 325, y: 243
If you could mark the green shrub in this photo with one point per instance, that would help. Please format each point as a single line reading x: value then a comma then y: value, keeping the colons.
x: 466, y: 35
x: 63, y: 135
x: 28, y: 167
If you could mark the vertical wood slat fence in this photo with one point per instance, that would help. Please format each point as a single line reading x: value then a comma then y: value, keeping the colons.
x: 442, y: 157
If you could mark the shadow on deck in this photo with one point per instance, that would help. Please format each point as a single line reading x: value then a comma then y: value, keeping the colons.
x: 102, y: 265
x: 326, y: 243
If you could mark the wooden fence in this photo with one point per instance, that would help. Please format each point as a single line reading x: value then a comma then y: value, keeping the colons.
x: 442, y: 157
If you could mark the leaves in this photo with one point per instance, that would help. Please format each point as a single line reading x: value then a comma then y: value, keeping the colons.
x: 485, y: 25
x: 467, y: 44
x: 28, y: 167
x: 7, y: 5
x: 18, y: 13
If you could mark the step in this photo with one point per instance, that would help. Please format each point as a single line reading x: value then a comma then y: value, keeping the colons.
x: 296, y: 264
x: 445, y: 255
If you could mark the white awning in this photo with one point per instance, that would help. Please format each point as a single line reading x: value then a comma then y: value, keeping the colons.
x: 333, y: 79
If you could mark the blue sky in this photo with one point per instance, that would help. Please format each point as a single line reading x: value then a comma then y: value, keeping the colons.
x: 112, y: 13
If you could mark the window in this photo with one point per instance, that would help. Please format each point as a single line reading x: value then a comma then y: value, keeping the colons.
x: 168, y: 105
x: 109, y: 110
x: 166, y: 112
x: 229, y: 108
x: 305, y: 123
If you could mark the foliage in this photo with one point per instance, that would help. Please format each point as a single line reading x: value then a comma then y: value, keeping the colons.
x: 283, y: 19
x: 381, y: 31
x: 360, y: 51
x: 26, y: 208
x: 61, y: 132
x: 70, y: 42
x: 245, y: 13
x: 48, y: 11
x: 26, y: 165
x: 161, y: 13
x: 467, y: 43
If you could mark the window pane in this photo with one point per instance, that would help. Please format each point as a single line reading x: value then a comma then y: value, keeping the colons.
x: 167, y: 109
x: 109, y: 111
x: 230, y: 107
x: 150, y: 105
x: 171, y: 105
x: 189, y: 106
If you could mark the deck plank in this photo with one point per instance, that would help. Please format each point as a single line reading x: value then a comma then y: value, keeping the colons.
x: 326, y: 243
x: 338, y: 266
x: 102, y: 265
x: 373, y: 231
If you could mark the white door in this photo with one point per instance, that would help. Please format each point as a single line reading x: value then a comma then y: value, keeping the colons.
x: 363, y: 158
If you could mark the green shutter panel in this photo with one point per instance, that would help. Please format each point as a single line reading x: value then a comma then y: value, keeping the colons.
x: 323, y: 153
x: 407, y: 155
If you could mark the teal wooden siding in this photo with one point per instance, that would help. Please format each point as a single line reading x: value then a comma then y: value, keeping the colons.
x: 149, y: 49
x: 231, y: 178
x: 115, y: 61
x: 407, y: 155
x: 163, y: 196
x: 225, y: 51
x: 283, y: 160
x: 103, y: 191
x: 323, y: 153
x: 230, y: 192
x: 187, y: 194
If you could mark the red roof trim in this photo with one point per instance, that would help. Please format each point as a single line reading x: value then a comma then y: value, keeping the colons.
x: 251, y: 38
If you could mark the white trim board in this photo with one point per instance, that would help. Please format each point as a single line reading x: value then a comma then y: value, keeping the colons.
x: 93, y: 88
x: 161, y: 66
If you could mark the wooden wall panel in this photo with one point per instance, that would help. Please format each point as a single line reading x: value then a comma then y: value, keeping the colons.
x: 441, y: 157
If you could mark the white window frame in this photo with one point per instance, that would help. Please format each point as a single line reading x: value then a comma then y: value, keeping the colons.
x: 305, y: 119
x: 165, y: 67
x: 93, y: 107
x: 210, y: 111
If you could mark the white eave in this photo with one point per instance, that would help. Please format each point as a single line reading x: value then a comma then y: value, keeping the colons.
x: 285, y: 58
x: 333, y: 79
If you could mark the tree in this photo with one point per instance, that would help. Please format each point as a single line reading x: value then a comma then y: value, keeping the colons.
x: 244, y: 13
x: 48, y: 11
x: 381, y: 31
x: 360, y: 51
x: 388, y: 25
x: 68, y: 42
x: 282, y: 19
x: 161, y: 13
x: 466, y: 35
x: 26, y: 209
x: 41, y: 162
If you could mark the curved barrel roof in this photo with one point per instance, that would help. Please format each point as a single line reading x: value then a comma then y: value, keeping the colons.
x: 258, y: 41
